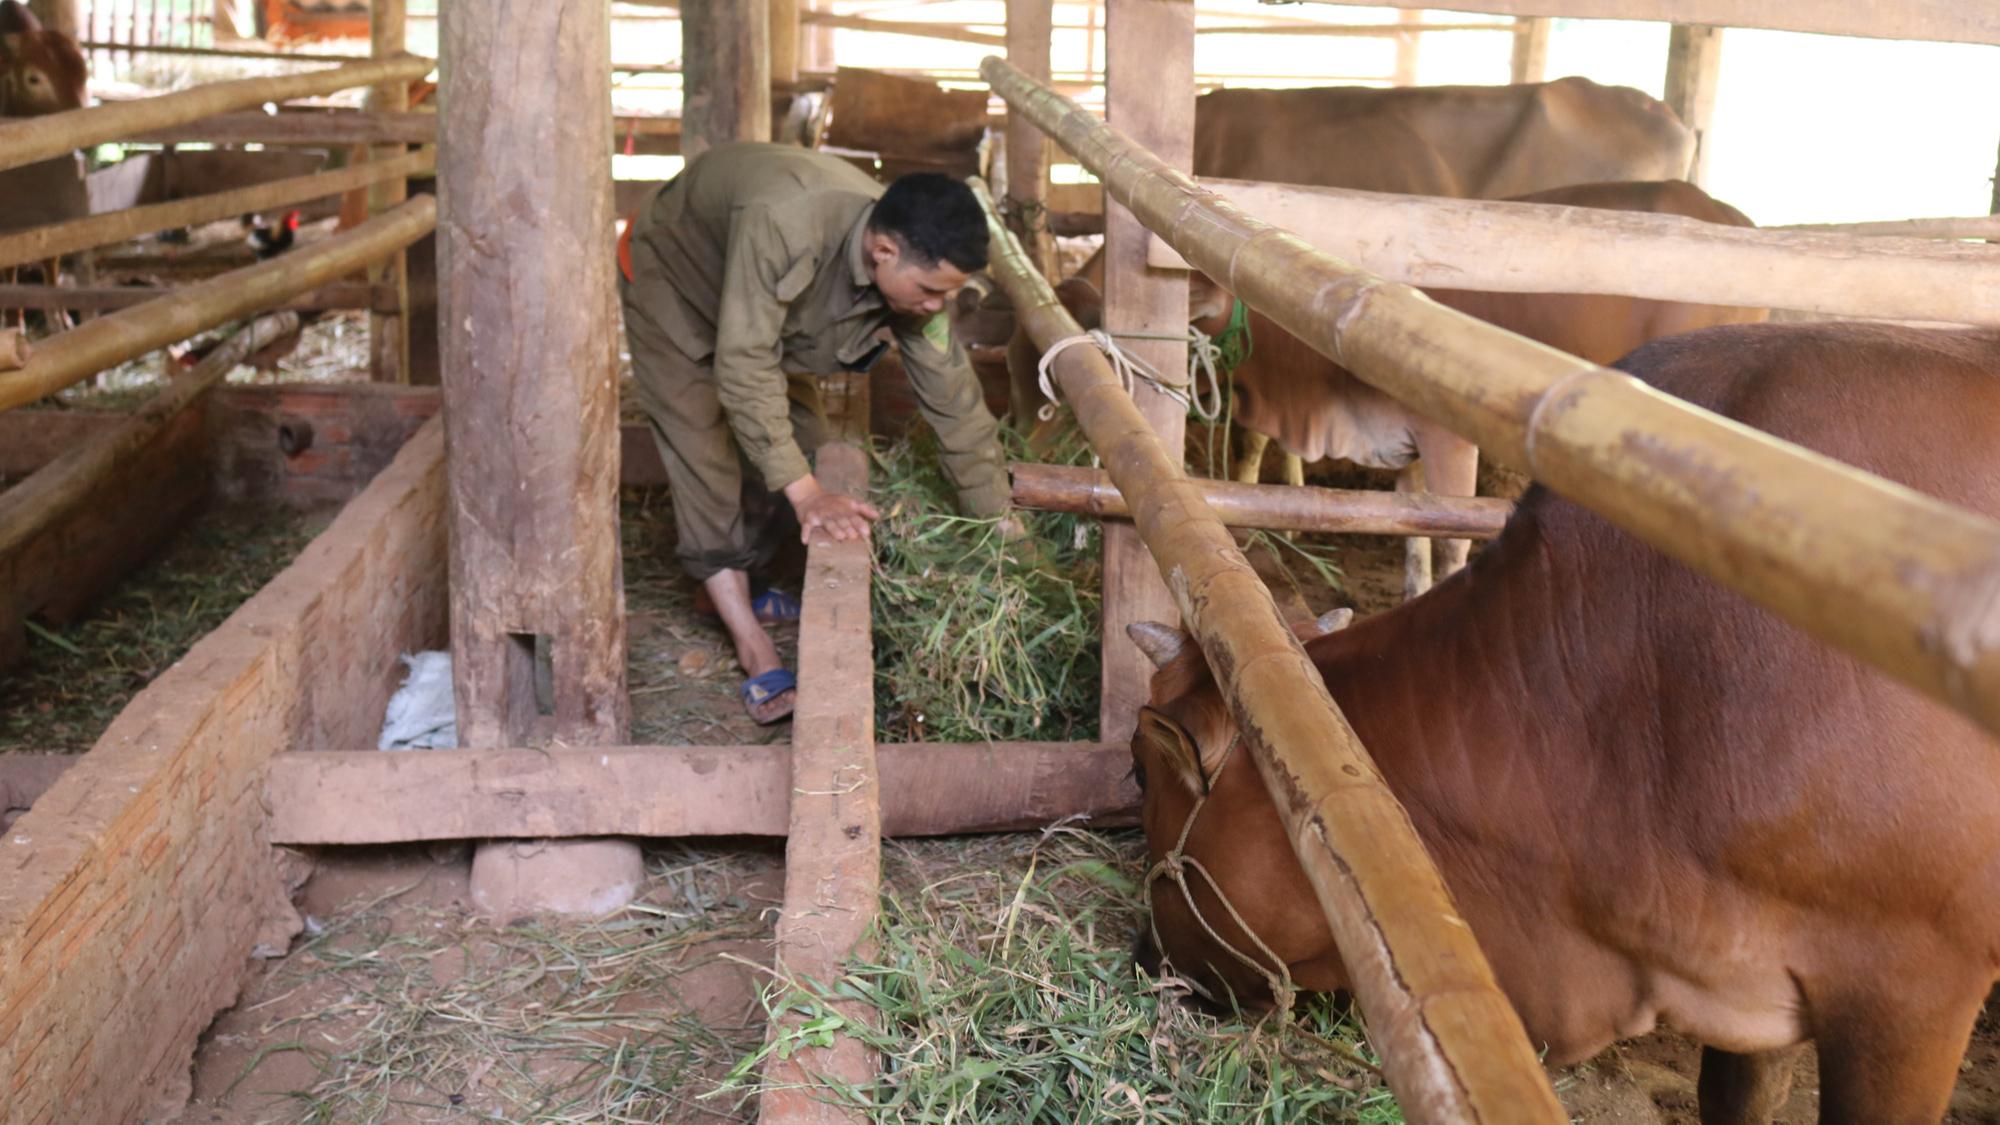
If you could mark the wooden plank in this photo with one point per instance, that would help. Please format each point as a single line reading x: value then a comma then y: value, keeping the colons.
x: 388, y: 342
x: 1542, y: 248
x: 833, y: 849
x: 1149, y: 64
x: 27, y: 139
x: 39, y: 244
x: 134, y: 890
x: 340, y: 128
x: 309, y: 445
x: 726, y: 61
x: 1694, y: 65
x: 784, y: 30
x: 106, y: 298
x: 530, y: 375
x: 928, y: 789
x: 1028, y: 30
x: 1276, y: 507
x: 109, y: 340
x: 914, y: 29
x: 1939, y: 20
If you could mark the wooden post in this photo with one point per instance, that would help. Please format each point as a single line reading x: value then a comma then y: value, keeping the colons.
x: 529, y: 331
x: 784, y: 33
x: 1149, y: 67
x: 725, y: 73
x: 1694, y: 60
x: 388, y: 337
x: 1028, y: 27
x: 1408, y: 42
x: 816, y: 43
x: 1531, y: 48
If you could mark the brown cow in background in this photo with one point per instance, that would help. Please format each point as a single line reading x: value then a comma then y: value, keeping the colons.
x: 1651, y: 800
x: 41, y: 71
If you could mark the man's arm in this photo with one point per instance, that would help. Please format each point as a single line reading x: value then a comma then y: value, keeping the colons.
x: 950, y: 399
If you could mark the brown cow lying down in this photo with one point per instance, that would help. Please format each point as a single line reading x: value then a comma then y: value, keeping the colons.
x: 1651, y: 799
x: 1313, y: 408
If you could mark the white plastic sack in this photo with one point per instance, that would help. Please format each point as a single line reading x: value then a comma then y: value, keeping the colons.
x: 420, y: 713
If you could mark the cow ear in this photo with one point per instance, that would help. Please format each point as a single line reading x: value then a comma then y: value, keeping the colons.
x: 1174, y: 747
x: 1160, y: 643
x: 1334, y: 620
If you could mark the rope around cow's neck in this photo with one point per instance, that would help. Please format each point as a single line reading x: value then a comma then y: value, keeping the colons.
x: 1174, y: 866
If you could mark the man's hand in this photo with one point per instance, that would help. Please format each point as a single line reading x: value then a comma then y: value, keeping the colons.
x: 840, y: 516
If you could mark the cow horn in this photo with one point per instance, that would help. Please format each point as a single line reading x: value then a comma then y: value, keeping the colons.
x: 1160, y: 643
x: 1334, y: 620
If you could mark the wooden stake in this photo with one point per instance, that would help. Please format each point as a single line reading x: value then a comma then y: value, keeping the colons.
x: 45, y: 242
x: 1028, y: 147
x: 1274, y: 507
x: 1901, y: 581
x: 388, y: 337
x: 784, y: 31
x: 725, y: 54
x: 1453, y: 1048
x: 28, y: 139
x: 1694, y: 63
x: 1530, y: 62
x: 1149, y: 65
x: 110, y: 340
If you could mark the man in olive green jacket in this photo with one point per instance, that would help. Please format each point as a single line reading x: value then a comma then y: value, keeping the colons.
x: 759, y: 268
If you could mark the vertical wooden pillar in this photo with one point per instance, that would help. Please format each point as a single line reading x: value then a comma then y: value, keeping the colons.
x: 1531, y: 48
x: 1149, y: 94
x: 785, y: 44
x: 816, y: 39
x: 726, y: 69
x: 388, y: 334
x: 1694, y: 60
x: 1028, y: 28
x: 1407, y: 45
x: 529, y: 338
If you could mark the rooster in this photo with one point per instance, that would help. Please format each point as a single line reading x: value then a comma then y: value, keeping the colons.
x: 271, y: 241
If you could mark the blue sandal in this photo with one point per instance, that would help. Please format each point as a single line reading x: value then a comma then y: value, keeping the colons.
x: 764, y: 687
x: 774, y: 606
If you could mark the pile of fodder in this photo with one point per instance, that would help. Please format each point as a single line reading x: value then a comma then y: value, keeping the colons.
x: 976, y: 637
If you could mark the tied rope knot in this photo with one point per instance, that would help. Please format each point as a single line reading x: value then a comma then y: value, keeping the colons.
x: 1213, y: 357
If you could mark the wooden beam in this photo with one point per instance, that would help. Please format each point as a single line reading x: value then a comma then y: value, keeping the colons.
x: 784, y: 30
x: 37, y: 244
x: 388, y: 342
x: 73, y: 529
x: 109, y: 340
x: 1407, y: 47
x: 140, y: 883
x: 1275, y: 507
x: 1401, y: 30
x: 919, y: 30
x: 1542, y: 248
x: 1149, y: 64
x: 1694, y: 64
x: 1530, y: 61
x: 340, y: 128
x: 1975, y: 226
x: 267, y: 54
x: 27, y: 139
x: 833, y: 849
x: 725, y: 53
x: 928, y: 789
x: 1940, y: 20
x: 1450, y: 1041
x: 1792, y: 531
x: 1028, y: 147
x: 104, y: 298
x: 308, y: 445
x: 530, y: 385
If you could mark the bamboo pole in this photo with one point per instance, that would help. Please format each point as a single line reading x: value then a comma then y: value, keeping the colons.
x: 1906, y: 583
x: 1974, y: 226
x: 101, y: 298
x: 14, y: 349
x: 55, y: 239
x: 1274, y: 507
x: 352, y: 127
x: 1505, y: 247
x: 56, y: 489
x: 1453, y: 1047
x: 82, y: 352
x: 1940, y: 20
x: 28, y: 139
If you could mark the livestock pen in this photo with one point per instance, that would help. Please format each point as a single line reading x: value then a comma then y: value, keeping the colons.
x: 141, y: 879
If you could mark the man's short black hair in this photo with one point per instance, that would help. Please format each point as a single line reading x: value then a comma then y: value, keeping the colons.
x: 936, y: 218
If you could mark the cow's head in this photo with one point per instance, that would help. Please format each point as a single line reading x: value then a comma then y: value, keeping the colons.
x: 1232, y: 912
x: 41, y: 71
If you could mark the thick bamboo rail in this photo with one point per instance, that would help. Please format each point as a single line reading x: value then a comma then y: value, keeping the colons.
x: 43, y: 243
x: 84, y: 351
x: 1902, y: 581
x: 355, y: 127
x: 1274, y: 507
x: 56, y: 489
x: 28, y: 139
x: 1453, y: 1047
x: 1942, y: 20
x: 102, y: 298
x: 1546, y: 248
